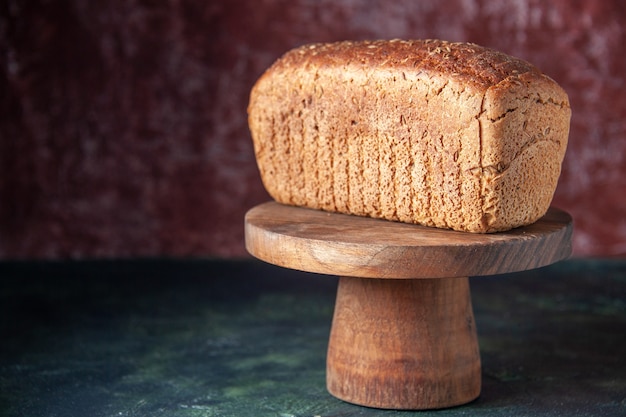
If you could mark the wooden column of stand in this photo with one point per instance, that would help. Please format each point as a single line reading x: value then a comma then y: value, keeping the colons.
x: 403, y: 333
x: 407, y: 344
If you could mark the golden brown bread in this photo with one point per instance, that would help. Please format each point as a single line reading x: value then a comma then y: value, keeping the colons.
x: 451, y: 135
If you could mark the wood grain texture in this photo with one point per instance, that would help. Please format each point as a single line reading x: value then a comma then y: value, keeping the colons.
x: 401, y: 343
x: 338, y: 244
x: 404, y: 344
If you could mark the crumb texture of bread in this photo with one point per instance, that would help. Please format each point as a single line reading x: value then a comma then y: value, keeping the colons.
x: 450, y: 135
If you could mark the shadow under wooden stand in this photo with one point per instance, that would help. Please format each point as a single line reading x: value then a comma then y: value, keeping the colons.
x: 403, y: 334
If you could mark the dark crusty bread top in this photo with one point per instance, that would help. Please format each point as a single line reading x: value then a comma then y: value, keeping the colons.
x: 469, y: 63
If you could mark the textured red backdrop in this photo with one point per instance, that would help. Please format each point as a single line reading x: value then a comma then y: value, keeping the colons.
x: 123, y: 124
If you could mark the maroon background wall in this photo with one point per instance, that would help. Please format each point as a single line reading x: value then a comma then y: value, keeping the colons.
x: 123, y: 124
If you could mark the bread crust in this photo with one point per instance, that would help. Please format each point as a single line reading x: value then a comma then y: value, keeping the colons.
x: 451, y: 135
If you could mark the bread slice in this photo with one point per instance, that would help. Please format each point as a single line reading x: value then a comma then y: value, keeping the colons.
x: 451, y: 135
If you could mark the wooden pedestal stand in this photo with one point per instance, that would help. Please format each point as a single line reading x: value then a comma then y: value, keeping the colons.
x: 403, y: 333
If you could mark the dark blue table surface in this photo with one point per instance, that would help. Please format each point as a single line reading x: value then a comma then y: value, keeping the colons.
x: 243, y: 338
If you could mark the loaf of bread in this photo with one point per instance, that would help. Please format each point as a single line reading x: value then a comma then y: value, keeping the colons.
x: 450, y: 135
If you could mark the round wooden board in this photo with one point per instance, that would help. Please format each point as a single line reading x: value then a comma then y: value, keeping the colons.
x: 340, y: 244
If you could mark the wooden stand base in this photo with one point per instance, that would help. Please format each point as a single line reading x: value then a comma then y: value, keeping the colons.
x: 404, y: 344
x: 403, y: 333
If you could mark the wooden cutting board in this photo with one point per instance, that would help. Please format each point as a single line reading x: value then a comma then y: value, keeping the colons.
x: 403, y: 334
